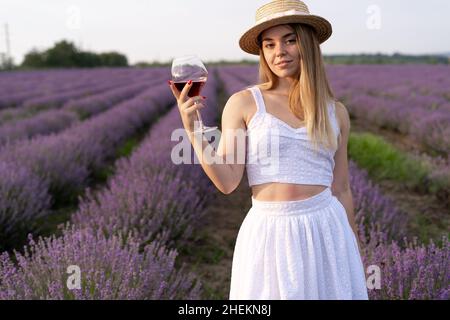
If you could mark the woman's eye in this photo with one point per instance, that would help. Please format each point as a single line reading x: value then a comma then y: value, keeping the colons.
x: 270, y: 45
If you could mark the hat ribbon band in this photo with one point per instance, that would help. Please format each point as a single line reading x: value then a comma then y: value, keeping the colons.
x: 281, y: 14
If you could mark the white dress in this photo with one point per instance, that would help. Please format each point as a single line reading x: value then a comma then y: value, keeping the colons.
x: 296, y: 250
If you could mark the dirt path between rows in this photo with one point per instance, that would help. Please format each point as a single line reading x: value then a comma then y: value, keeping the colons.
x: 210, y: 253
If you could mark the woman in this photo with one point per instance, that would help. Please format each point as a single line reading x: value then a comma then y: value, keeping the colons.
x: 296, y: 242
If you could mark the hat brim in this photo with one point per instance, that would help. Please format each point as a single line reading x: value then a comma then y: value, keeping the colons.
x: 249, y: 40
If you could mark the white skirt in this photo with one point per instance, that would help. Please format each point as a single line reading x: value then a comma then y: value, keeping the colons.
x: 297, y: 250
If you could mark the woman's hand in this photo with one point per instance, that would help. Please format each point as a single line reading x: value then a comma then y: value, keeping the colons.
x: 187, y: 106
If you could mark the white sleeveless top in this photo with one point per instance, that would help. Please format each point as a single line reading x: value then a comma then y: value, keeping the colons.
x: 277, y: 152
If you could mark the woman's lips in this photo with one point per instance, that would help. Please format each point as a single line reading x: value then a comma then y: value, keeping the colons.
x: 283, y: 64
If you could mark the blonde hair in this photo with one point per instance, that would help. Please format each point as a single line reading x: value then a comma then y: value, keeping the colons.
x: 310, y: 93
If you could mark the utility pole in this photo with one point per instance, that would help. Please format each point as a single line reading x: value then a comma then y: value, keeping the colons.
x: 7, y: 56
x: 8, y: 49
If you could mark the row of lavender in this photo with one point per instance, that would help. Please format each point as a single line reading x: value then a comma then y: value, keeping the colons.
x: 16, y: 83
x: 47, y: 170
x: 73, y: 110
x: 96, y: 83
x: 18, y: 87
x: 408, y: 270
x: 411, y: 100
x: 27, y: 87
x: 150, y: 202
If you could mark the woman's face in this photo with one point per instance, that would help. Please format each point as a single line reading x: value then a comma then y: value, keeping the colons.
x: 279, y: 44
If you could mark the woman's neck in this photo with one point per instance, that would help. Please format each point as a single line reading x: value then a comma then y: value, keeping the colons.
x: 284, y: 85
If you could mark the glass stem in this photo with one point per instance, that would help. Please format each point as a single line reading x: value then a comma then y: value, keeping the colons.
x: 199, y: 119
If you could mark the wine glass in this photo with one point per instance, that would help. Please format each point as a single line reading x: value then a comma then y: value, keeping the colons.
x: 186, y: 68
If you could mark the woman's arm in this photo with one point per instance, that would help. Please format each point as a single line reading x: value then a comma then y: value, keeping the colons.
x: 222, y: 166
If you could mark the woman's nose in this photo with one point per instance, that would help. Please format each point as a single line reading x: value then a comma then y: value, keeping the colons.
x: 280, y: 49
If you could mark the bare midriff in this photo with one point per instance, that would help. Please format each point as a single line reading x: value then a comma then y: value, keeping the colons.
x: 274, y: 191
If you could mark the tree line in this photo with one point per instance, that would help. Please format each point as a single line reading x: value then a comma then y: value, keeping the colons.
x: 65, y: 54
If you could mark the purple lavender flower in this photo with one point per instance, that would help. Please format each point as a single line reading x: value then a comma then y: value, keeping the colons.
x: 110, y: 268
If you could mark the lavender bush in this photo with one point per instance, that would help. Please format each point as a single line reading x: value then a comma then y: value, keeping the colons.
x: 67, y: 159
x: 374, y: 208
x: 408, y: 270
x: 110, y: 268
x: 51, y: 121
x: 23, y: 200
x: 54, y: 89
x: 95, y: 104
x: 64, y: 162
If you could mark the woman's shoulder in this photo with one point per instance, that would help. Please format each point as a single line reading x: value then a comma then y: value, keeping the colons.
x: 242, y: 97
x: 340, y: 108
x: 242, y: 104
x: 242, y: 94
x: 342, y: 114
x: 238, y: 101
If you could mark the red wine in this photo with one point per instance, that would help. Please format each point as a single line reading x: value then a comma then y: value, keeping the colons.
x: 195, y: 89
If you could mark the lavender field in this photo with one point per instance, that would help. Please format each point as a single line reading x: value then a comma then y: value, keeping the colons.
x: 87, y: 180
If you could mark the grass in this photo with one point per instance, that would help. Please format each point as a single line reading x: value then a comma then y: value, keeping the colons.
x: 128, y: 146
x: 209, y: 293
x: 202, y: 250
x: 199, y: 253
x: 383, y: 161
x: 425, y: 230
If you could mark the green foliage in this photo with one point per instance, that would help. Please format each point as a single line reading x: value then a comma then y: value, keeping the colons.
x: 35, y: 59
x: 88, y: 59
x: 65, y: 54
x: 113, y: 59
x: 383, y: 161
x: 102, y: 175
x: 128, y: 147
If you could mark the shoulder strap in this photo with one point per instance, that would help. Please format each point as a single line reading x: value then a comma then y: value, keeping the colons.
x: 260, y: 107
x: 333, y: 114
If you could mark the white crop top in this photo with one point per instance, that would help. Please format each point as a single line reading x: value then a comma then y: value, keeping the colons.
x: 277, y: 152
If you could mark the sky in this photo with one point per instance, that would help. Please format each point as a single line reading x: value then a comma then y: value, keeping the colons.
x: 148, y: 30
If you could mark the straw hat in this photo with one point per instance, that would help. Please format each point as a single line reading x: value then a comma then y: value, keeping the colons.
x: 281, y: 12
